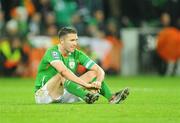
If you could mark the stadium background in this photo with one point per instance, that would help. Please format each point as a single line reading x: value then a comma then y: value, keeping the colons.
x: 137, y: 43
x: 120, y: 35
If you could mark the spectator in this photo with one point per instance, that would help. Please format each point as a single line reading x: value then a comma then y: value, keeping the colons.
x: 17, y: 25
x: 78, y: 22
x: 35, y: 24
x: 10, y: 55
x: 2, y: 23
x: 64, y: 10
x: 43, y: 7
x: 52, y: 33
x: 96, y: 26
x: 168, y: 49
x: 112, y: 61
x: 165, y: 20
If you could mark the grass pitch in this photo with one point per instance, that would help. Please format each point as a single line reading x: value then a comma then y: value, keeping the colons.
x: 152, y: 99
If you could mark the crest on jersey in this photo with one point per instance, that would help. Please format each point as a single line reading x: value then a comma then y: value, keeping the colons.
x: 72, y: 63
x: 55, y: 55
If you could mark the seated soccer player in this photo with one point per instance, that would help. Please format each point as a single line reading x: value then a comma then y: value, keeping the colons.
x: 56, y: 81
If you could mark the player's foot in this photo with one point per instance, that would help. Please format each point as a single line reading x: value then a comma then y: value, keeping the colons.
x: 91, y: 98
x: 119, y: 96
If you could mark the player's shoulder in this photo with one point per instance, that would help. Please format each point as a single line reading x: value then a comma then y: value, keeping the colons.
x: 77, y: 51
x: 53, y: 50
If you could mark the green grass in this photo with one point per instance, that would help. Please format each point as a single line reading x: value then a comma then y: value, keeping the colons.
x: 153, y: 99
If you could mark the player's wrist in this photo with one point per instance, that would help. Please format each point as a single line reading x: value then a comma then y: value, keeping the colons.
x: 86, y: 85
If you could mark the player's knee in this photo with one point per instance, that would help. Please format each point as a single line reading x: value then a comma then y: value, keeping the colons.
x: 61, y: 79
x: 59, y: 76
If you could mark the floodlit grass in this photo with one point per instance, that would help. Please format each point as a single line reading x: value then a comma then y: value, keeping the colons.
x: 153, y: 99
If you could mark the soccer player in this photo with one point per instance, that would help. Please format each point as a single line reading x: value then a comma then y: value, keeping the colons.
x: 56, y: 80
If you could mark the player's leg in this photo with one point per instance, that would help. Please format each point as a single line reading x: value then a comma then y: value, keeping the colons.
x: 51, y: 91
x: 55, y: 86
x: 90, y: 76
x: 79, y: 91
x: 69, y: 98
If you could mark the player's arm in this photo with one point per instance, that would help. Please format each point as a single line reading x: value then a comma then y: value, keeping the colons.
x: 59, y: 65
x: 91, y: 65
x: 99, y: 72
x: 99, y: 75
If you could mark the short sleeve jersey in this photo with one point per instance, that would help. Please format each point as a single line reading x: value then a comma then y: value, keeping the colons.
x: 47, y: 71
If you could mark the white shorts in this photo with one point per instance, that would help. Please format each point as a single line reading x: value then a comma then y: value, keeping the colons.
x: 42, y: 97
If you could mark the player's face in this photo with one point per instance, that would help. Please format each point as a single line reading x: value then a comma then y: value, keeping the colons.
x: 69, y: 42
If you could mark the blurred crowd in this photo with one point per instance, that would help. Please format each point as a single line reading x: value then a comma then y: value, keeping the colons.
x: 21, y: 20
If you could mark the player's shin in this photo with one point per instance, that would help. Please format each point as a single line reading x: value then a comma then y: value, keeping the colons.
x: 105, y: 91
x: 75, y: 89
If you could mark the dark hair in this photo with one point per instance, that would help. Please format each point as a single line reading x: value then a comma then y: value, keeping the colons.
x: 66, y: 30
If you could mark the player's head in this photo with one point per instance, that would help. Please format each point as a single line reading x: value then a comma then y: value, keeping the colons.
x: 68, y: 38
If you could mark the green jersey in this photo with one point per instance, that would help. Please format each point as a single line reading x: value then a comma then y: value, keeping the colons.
x: 46, y: 71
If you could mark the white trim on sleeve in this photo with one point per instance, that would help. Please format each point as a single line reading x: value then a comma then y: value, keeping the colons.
x: 55, y: 61
x: 88, y: 64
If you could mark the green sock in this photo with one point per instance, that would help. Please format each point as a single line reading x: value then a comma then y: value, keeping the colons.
x: 75, y: 89
x: 105, y: 91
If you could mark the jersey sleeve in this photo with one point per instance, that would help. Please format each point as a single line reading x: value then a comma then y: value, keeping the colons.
x: 85, y: 60
x: 53, y: 55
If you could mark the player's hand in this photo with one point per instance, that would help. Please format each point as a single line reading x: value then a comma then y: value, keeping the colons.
x: 97, y: 84
x: 89, y: 86
x: 92, y: 86
x: 94, y: 91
